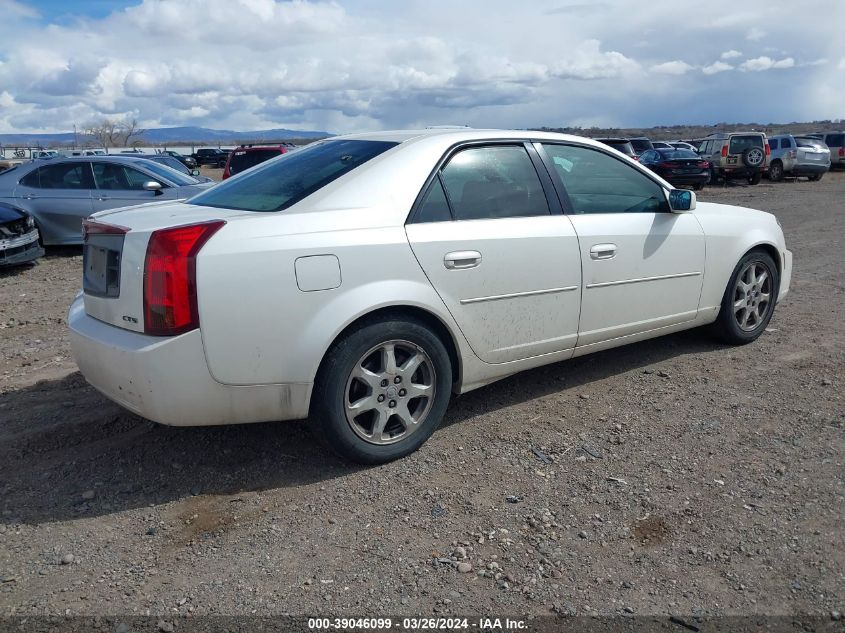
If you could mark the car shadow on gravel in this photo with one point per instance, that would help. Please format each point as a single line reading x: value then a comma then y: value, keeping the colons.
x: 67, y: 452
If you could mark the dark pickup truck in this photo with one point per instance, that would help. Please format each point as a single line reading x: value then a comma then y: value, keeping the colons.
x: 211, y: 156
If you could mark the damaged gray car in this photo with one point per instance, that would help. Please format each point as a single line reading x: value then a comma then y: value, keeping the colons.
x: 19, y: 243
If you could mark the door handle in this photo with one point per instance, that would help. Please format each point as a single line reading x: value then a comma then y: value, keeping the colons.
x: 103, y: 198
x: 30, y: 196
x: 603, y: 251
x: 457, y: 260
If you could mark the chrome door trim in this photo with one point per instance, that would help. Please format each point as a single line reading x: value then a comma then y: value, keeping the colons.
x: 641, y: 279
x: 514, y: 295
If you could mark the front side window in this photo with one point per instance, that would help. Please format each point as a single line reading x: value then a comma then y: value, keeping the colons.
x: 596, y: 182
x: 113, y: 176
x: 281, y: 183
x: 493, y: 182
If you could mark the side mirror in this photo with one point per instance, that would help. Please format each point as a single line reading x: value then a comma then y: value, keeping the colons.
x: 195, y: 172
x: 681, y: 200
x: 152, y: 185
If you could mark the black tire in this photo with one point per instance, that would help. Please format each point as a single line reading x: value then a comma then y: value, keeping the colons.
x: 755, y: 178
x: 714, y: 177
x: 727, y: 326
x: 328, y: 408
x: 698, y: 186
x: 816, y: 177
x: 776, y: 171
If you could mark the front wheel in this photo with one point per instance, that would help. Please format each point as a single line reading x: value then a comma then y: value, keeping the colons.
x: 382, y: 390
x: 749, y: 300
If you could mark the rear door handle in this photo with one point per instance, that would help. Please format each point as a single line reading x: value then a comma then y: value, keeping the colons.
x: 457, y: 260
x: 30, y: 196
x: 103, y: 198
x: 603, y: 251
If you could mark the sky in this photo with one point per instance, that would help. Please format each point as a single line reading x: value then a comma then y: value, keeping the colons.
x: 360, y: 65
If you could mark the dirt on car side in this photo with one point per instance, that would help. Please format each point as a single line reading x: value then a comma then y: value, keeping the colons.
x: 676, y: 476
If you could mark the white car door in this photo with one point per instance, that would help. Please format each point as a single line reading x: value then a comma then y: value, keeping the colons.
x: 643, y: 265
x: 505, y: 263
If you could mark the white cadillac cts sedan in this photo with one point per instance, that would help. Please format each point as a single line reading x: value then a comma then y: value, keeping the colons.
x: 362, y: 280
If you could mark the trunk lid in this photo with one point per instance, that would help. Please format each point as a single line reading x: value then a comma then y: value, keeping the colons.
x: 113, y: 262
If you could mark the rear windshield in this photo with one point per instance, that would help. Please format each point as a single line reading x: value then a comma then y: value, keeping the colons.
x: 244, y: 159
x: 294, y: 176
x: 741, y: 143
x: 802, y: 141
x: 623, y: 146
x: 641, y: 145
x: 673, y: 154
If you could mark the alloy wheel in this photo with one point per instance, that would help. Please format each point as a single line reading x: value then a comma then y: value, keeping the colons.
x: 390, y: 392
x: 752, y: 295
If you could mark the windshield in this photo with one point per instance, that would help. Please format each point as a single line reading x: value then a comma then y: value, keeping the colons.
x: 242, y: 160
x: 674, y: 154
x: 169, y: 174
x: 281, y: 183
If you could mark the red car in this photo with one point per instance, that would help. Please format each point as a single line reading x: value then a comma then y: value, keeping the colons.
x: 246, y: 156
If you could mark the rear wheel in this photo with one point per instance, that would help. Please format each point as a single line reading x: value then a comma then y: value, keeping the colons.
x: 755, y: 178
x: 816, y: 177
x: 749, y: 299
x: 776, y: 171
x: 382, y: 391
x: 698, y: 186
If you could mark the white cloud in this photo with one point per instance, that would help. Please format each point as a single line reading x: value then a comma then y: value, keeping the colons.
x: 731, y: 54
x: 676, y: 67
x: 759, y: 64
x: 716, y: 67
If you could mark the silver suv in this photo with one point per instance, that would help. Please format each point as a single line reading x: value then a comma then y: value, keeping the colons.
x: 735, y: 155
x: 836, y: 142
x: 798, y: 156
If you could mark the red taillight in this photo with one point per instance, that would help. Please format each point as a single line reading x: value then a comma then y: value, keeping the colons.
x: 842, y: 152
x: 724, y: 150
x: 768, y: 150
x: 90, y: 227
x: 671, y: 164
x: 170, y: 269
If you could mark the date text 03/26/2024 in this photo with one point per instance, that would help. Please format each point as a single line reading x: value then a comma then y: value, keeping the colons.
x: 417, y: 624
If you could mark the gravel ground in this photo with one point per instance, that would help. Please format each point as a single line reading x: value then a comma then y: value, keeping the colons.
x: 683, y: 477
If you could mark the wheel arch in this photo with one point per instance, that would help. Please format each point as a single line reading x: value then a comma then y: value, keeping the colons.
x: 771, y: 250
x: 413, y: 312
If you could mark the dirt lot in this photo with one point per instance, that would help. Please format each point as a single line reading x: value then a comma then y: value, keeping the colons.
x: 687, y: 477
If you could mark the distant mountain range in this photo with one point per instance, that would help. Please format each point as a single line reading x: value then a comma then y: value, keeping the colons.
x: 173, y: 135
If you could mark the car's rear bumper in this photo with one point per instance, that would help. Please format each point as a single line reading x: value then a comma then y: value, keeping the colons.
x: 809, y: 169
x: 19, y: 250
x: 166, y: 379
x: 687, y: 179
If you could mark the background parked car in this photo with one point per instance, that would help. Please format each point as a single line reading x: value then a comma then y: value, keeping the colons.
x: 683, y: 145
x: 661, y: 145
x: 678, y: 166
x: 18, y: 236
x: 620, y: 144
x: 211, y: 156
x: 246, y: 156
x: 798, y: 156
x: 60, y: 192
x: 836, y: 142
x: 734, y: 155
x: 188, y: 161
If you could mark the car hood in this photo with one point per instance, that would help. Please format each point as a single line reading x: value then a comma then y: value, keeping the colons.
x: 8, y: 213
x: 714, y: 208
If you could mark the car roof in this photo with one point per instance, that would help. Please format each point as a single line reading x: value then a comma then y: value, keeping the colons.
x: 611, y: 139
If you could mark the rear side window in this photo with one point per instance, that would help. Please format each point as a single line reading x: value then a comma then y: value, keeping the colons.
x: 786, y: 143
x: 835, y: 139
x: 60, y: 176
x: 295, y: 176
x: 741, y: 143
x: 598, y: 183
x: 435, y: 207
x: 493, y: 182
x: 244, y: 159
